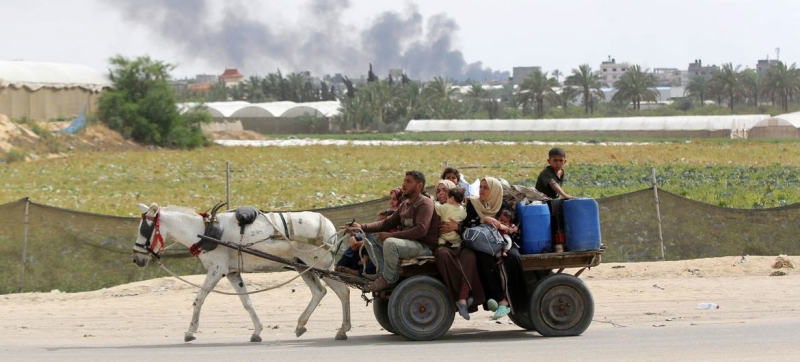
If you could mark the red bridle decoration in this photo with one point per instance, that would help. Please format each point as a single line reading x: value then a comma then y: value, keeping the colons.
x: 157, y: 238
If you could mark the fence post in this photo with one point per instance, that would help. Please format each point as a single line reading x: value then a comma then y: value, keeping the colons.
x: 228, y: 183
x: 658, y: 213
x: 24, y: 248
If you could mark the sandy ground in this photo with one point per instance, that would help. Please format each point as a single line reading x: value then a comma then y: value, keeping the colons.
x: 643, y: 295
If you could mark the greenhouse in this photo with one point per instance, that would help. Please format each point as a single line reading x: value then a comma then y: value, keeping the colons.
x: 43, y: 91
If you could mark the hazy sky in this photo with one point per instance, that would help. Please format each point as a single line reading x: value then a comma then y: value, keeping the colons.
x: 329, y: 36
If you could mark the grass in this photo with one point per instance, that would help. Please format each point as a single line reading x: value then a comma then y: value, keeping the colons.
x: 728, y: 173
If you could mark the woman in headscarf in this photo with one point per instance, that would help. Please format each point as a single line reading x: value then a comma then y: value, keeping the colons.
x: 457, y: 266
x: 504, y: 285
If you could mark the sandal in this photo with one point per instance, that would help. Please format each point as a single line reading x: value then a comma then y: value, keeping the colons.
x: 462, y: 310
x: 501, y: 312
x: 492, y: 304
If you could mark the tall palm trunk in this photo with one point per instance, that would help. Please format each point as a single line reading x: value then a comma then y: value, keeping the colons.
x: 586, y: 99
x: 730, y: 95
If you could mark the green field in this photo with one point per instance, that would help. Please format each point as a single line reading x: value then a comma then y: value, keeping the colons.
x: 737, y: 174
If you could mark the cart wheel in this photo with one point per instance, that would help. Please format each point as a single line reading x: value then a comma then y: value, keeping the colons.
x: 381, y: 309
x: 420, y: 309
x: 522, y: 318
x: 561, y: 305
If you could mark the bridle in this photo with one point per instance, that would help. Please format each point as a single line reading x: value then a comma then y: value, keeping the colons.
x: 149, y: 232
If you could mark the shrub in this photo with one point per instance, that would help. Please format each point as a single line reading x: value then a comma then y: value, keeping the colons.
x: 15, y: 155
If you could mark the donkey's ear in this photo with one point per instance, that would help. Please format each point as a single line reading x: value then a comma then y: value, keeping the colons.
x: 142, y: 207
x: 153, y: 208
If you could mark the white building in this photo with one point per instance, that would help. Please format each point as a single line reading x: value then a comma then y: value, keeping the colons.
x: 668, y: 77
x: 518, y: 74
x: 610, y: 71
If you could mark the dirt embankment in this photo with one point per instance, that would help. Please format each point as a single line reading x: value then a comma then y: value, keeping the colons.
x: 35, y: 140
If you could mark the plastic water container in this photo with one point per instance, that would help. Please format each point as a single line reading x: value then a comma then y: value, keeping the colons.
x: 535, y: 221
x: 581, y: 225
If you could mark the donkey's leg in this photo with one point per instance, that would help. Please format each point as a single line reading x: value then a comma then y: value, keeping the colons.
x: 317, y: 292
x: 238, y: 285
x: 212, y: 278
x: 343, y: 292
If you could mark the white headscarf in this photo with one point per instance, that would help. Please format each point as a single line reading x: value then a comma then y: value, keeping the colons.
x: 492, y: 205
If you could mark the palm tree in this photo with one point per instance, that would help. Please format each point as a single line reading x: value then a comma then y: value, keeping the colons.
x: 728, y: 78
x: 716, y: 89
x: 218, y: 93
x: 255, y: 93
x: 636, y: 86
x: 567, y: 96
x: 295, y: 84
x: 699, y: 88
x: 535, y: 89
x: 476, y: 96
x: 784, y: 82
x: 438, y: 89
x: 355, y: 113
x: 753, y: 84
x: 589, y: 83
x: 410, y: 104
x: 273, y: 87
x: 557, y: 75
x: 380, y: 96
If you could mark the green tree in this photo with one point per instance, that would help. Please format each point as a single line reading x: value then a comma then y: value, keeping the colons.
x: 477, y: 95
x: 410, y: 104
x: 753, y: 85
x: 588, y: 82
x: 698, y: 88
x: 142, y: 106
x: 536, y: 89
x: 439, y: 89
x: 355, y: 113
x: 380, y: 97
x: 783, y: 82
x: 729, y: 82
x: 636, y: 86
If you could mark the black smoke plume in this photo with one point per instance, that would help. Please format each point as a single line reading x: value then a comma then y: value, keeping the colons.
x: 321, y: 43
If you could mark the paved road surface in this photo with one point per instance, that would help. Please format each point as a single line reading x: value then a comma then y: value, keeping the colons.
x: 762, y: 340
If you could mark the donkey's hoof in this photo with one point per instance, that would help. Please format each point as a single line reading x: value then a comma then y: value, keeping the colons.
x: 188, y: 338
x: 299, y: 331
x: 255, y: 338
x: 341, y: 336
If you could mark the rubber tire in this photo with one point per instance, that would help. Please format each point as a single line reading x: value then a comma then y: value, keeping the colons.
x: 381, y: 309
x: 522, y: 318
x: 420, y: 308
x: 561, y: 305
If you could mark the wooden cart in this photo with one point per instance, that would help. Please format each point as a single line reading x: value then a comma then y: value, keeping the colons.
x: 419, y: 308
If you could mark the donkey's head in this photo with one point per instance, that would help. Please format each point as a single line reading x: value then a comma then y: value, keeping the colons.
x: 149, y: 241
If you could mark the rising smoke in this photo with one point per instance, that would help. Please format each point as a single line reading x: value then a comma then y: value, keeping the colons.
x: 323, y: 44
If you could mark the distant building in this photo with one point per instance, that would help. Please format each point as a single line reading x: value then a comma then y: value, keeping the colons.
x: 668, y: 77
x: 519, y: 73
x: 610, y: 71
x: 763, y: 66
x: 697, y: 69
x: 179, y: 85
x: 199, y: 87
x: 206, y: 78
x: 231, y: 77
x: 397, y: 73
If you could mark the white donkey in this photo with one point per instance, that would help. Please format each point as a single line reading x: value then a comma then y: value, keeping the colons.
x: 265, y: 234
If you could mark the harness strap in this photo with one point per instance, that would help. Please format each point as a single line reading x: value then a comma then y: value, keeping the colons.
x: 285, y: 227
